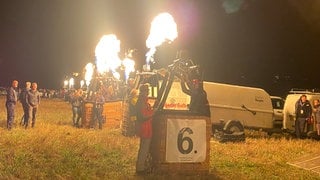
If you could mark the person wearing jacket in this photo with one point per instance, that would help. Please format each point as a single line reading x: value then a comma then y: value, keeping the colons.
x: 33, y: 101
x: 132, y: 101
x: 199, y: 103
x: 316, y: 111
x: 11, y: 101
x: 144, y: 128
x: 76, y: 100
x: 303, y: 112
x: 23, y: 100
x: 98, y: 103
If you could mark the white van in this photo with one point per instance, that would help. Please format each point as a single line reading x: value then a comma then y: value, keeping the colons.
x: 289, y: 107
x: 277, y: 104
x: 233, y: 107
x: 252, y: 107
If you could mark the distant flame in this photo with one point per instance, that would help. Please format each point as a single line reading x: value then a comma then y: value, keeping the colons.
x: 89, y: 73
x: 81, y: 83
x: 71, y: 83
x: 116, y: 75
x: 129, y: 67
x: 106, y: 52
x: 65, y: 83
x: 163, y: 28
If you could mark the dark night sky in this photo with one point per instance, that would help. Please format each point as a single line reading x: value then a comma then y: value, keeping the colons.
x: 268, y: 44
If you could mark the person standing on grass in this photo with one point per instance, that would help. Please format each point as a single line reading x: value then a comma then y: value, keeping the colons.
x: 11, y: 101
x: 316, y: 110
x: 133, y: 98
x: 98, y: 103
x: 33, y: 101
x: 303, y: 112
x: 23, y: 100
x: 144, y: 128
x: 76, y: 103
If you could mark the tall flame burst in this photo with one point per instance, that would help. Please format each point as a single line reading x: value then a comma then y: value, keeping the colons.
x: 89, y: 73
x: 128, y: 67
x: 163, y: 28
x: 106, y: 52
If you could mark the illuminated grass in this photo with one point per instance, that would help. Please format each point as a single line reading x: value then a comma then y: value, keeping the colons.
x: 56, y: 150
x: 262, y: 158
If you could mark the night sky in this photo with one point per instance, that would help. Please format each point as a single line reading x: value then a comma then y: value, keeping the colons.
x: 272, y: 44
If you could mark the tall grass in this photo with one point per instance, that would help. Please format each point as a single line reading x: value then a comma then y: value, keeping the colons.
x: 54, y: 149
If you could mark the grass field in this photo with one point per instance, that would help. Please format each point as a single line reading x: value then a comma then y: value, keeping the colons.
x: 56, y: 150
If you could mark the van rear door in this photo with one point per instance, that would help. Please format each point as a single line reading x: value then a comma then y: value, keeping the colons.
x: 277, y: 104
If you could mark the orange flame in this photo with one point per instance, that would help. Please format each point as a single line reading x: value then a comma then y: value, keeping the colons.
x: 163, y: 28
x: 106, y: 52
x: 89, y: 73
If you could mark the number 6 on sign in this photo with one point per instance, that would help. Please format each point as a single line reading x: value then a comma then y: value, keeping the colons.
x: 186, y: 140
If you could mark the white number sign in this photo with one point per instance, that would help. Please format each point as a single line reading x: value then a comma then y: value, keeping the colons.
x: 186, y: 140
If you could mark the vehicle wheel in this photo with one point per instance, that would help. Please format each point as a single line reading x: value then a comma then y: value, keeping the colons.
x: 213, y: 130
x: 233, y: 127
x: 312, y: 134
x: 216, y: 128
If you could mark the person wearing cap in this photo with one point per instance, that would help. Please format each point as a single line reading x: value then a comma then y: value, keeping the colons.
x: 11, y: 101
x: 144, y: 128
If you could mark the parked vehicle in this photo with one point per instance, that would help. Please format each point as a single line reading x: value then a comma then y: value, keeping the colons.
x: 289, y: 116
x: 277, y: 104
x: 244, y: 106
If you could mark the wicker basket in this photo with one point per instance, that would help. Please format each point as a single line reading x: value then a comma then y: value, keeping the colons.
x: 113, y: 113
x: 87, y: 114
x: 160, y: 162
x: 128, y: 122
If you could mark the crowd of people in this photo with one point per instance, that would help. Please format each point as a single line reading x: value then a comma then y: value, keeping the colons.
x: 29, y: 96
x: 30, y: 100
